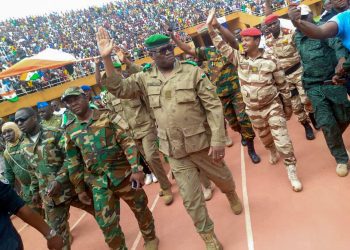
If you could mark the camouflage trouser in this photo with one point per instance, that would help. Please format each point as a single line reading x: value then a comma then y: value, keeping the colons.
x: 148, y: 147
x: 332, y: 114
x: 271, y: 126
x: 300, y: 103
x: 27, y: 195
x: 237, y: 118
x: 57, y: 217
x: 107, y: 210
x: 186, y: 171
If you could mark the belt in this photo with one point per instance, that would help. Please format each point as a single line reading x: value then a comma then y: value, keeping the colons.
x: 292, y: 69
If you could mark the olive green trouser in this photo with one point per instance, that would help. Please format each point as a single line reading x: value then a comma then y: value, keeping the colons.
x: 148, y: 147
x: 332, y: 114
x: 186, y: 171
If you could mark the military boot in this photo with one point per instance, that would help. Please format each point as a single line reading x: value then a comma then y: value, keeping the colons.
x: 228, y: 141
x: 211, y: 241
x: 235, y: 203
x: 167, y: 196
x: 342, y: 169
x: 251, y: 152
x: 274, y: 155
x: 293, y: 178
x: 308, y: 131
x: 313, y: 121
x: 152, y: 244
x: 244, y: 142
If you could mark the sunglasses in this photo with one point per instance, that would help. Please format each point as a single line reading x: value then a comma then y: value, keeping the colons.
x: 23, y: 119
x: 164, y: 50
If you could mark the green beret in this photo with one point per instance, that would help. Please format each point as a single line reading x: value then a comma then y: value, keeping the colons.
x: 72, y: 91
x: 156, y: 40
x: 117, y: 65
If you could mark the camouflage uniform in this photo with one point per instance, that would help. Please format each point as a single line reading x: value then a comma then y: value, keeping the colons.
x: 2, y: 148
x: 284, y: 49
x: 45, y: 159
x: 141, y: 121
x: 17, y: 169
x: 262, y: 83
x: 101, y: 153
x: 224, y: 75
x: 190, y: 120
x: 55, y: 122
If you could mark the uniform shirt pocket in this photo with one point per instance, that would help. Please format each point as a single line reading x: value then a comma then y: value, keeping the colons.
x: 196, y: 138
x: 185, y: 93
x: 154, y: 96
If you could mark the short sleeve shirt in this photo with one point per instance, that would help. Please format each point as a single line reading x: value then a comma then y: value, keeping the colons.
x: 343, y: 21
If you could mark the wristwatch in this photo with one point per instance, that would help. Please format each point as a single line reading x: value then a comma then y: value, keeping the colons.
x: 51, y: 234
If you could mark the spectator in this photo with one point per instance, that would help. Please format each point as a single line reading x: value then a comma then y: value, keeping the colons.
x: 11, y: 203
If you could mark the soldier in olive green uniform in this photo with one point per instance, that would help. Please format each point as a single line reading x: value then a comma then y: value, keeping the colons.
x: 45, y: 158
x: 15, y: 165
x: 48, y: 119
x: 190, y: 124
x: 101, y: 153
x: 320, y: 58
x: 143, y: 129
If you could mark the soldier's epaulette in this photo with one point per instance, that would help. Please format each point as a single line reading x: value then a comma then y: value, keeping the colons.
x: 50, y: 128
x: 189, y: 62
x: 104, y: 109
x: 147, y: 67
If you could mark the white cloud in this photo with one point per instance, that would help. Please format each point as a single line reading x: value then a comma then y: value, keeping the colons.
x: 22, y: 8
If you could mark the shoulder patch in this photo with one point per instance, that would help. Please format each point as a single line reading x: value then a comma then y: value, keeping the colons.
x: 147, y: 67
x: 189, y: 62
x: 118, y: 120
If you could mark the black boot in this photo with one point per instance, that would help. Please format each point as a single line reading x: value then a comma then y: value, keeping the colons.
x: 313, y: 121
x: 251, y: 152
x: 243, y: 142
x: 308, y: 131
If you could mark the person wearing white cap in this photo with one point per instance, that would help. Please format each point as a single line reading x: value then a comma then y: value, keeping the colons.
x: 332, y: 109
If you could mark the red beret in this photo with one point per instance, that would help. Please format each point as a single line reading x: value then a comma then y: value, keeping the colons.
x: 251, y: 32
x: 271, y: 18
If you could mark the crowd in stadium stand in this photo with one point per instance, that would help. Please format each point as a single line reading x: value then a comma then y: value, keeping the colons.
x: 129, y: 24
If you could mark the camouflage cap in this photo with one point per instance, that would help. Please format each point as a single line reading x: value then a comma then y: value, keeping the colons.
x: 156, y: 40
x: 72, y: 91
